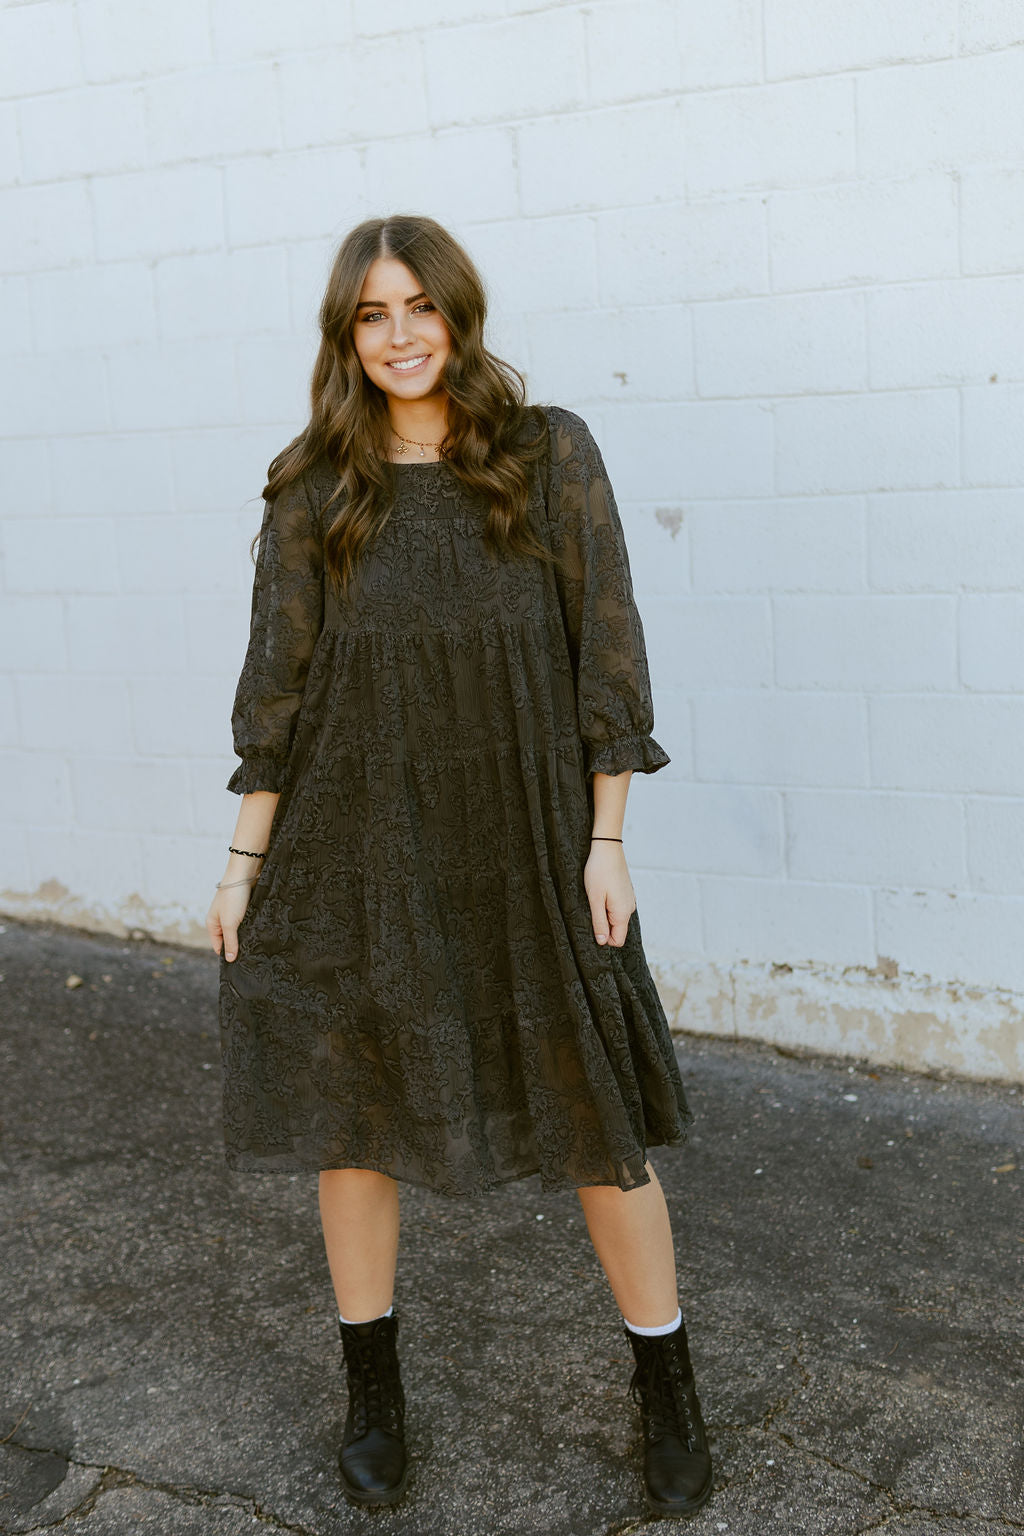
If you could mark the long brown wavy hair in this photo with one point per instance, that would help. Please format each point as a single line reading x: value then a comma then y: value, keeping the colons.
x: 493, y: 436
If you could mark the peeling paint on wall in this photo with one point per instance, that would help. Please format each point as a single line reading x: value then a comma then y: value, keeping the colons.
x: 132, y: 918
x: 670, y: 518
x: 877, y: 1015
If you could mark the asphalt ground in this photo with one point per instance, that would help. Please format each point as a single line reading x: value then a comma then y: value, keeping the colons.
x: 850, y: 1250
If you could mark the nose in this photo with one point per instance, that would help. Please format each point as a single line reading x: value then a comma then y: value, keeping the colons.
x: 400, y: 330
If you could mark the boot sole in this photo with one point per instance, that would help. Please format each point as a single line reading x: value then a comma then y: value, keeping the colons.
x: 679, y: 1511
x: 370, y: 1496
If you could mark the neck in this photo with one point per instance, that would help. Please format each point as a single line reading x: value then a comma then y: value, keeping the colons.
x: 421, y: 421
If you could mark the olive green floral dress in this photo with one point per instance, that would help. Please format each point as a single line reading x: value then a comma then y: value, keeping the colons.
x: 418, y: 989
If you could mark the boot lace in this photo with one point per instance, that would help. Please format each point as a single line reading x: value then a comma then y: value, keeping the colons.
x: 374, y: 1384
x: 663, y: 1390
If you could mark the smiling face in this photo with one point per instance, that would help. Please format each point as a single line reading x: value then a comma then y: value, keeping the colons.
x: 400, y: 338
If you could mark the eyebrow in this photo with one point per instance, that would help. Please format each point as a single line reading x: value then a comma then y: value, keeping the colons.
x: 380, y: 304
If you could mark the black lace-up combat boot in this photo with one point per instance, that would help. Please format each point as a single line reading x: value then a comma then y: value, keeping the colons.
x: 372, y: 1458
x: 677, y: 1462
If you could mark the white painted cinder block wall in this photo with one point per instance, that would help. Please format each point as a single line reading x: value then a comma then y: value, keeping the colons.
x: 770, y: 249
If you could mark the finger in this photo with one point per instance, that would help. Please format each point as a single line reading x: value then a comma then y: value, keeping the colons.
x: 599, y: 918
x: 619, y: 916
x: 230, y: 943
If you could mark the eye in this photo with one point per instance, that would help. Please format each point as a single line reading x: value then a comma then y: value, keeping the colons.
x: 426, y: 304
x: 372, y: 314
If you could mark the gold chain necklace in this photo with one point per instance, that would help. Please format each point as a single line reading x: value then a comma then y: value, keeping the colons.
x: 410, y: 442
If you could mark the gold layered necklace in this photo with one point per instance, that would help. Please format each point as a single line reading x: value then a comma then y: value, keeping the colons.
x: 410, y: 442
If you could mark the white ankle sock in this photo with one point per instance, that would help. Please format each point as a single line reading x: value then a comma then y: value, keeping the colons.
x: 367, y: 1319
x: 653, y: 1333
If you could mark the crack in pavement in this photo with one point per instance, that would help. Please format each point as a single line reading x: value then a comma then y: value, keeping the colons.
x: 120, y: 1477
x: 837, y: 1466
x: 805, y: 1380
x: 934, y: 1514
x: 1004, y: 1521
x: 899, y: 1506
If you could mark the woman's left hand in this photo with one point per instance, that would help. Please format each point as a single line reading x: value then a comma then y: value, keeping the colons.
x: 610, y: 893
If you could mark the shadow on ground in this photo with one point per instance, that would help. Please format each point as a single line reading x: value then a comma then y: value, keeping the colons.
x: 850, y: 1247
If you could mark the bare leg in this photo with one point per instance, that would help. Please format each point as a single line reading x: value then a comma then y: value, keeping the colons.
x: 359, y: 1215
x: 632, y: 1237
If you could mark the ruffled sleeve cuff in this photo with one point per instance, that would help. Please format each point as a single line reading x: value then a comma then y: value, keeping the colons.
x: 256, y: 771
x: 640, y: 753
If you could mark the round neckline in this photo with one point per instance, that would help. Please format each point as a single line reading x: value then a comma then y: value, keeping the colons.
x: 412, y: 464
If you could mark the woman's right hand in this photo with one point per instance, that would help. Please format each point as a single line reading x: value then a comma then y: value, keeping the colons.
x: 227, y: 909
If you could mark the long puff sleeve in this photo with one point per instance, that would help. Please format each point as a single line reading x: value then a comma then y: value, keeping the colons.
x: 603, y: 627
x: 285, y: 622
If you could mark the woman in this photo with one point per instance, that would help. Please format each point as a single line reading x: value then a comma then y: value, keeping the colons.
x: 436, y: 972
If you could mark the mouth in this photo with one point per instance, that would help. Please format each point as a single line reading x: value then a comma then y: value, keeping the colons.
x: 409, y: 364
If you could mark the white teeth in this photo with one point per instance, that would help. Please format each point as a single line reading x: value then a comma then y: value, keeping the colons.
x: 409, y: 362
